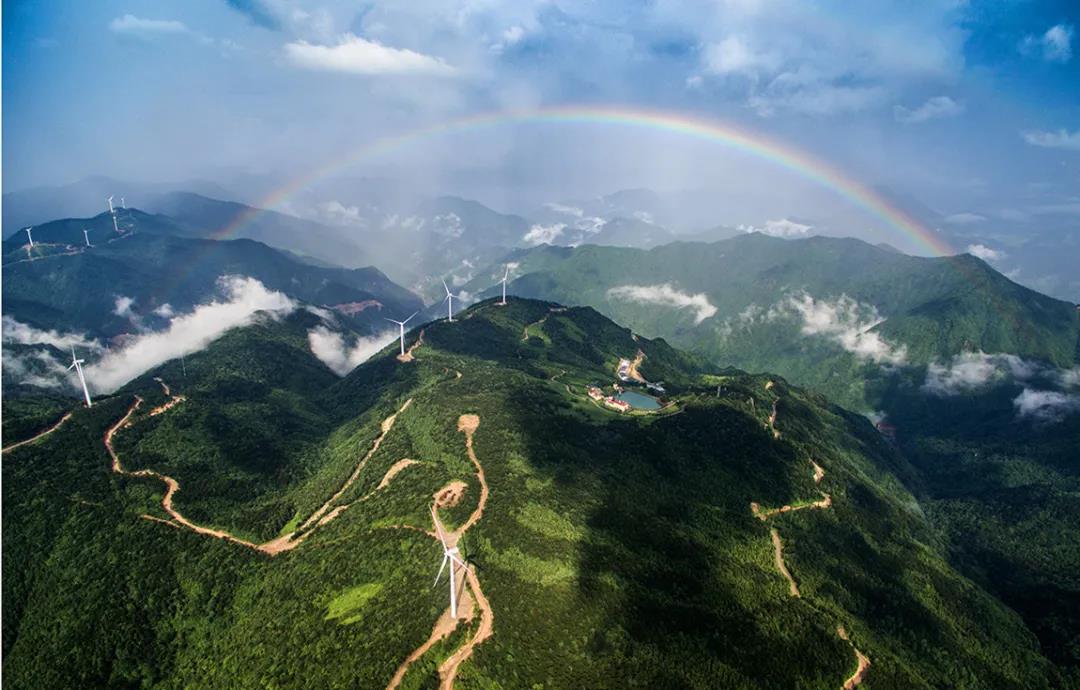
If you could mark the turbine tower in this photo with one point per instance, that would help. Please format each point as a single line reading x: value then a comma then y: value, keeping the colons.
x: 29, y: 236
x: 86, y: 237
x: 449, y: 303
x: 450, y: 555
x: 76, y: 364
x: 122, y: 203
x: 110, y: 205
x: 503, y: 281
x: 401, y: 326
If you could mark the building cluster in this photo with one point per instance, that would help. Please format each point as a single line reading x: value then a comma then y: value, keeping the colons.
x: 610, y: 401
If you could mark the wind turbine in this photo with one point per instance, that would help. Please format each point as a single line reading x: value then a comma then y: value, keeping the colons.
x: 449, y: 303
x: 76, y: 364
x: 86, y: 236
x: 116, y: 228
x: 401, y: 325
x: 110, y: 205
x: 450, y: 555
x: 503, y: 281
x: 29, y: 236
x: 122, y: 203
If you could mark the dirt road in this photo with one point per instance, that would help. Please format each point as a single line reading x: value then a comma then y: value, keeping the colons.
x: 40, y: 435
x: 472, y: 594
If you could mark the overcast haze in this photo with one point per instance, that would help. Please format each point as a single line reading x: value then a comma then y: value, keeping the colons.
x: 966, y: 113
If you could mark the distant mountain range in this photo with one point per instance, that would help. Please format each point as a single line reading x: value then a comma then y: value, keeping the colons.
x: 822, y: 311
x: 152, y: 268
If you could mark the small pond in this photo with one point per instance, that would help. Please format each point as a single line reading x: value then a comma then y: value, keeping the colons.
x: 639, y: 401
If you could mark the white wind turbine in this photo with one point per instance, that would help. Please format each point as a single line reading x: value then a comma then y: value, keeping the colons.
x: 76, y: 364
x: 450, y: 555
x: 29, y: 236
x: 86, y: 237
x: 503, y: 281
x: 401, y: 326
x: 123, y: 204
x: 109, y: 200
x: 449, y: 302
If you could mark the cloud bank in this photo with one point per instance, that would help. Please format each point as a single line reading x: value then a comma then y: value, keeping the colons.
x: 544, y: 234
x: 985, y: 253
x: 331, y: 349
x: 22, y: 334
x: 1045, y: 406
x: 187, y: 333
x: 846, y: 322
x: 779, y: 228
x: 355, y: 55
x: 1061, y: 139
x: 665, y: 295
x: 933, y: 109
x: 972, y: 371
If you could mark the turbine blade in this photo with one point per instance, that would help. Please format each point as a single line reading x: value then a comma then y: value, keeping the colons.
x: 442, y: 567
x: 410, y: 318
x: 445, y: 288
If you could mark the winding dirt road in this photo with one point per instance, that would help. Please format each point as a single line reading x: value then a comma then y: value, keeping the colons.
x: 862, y: 661
x: 39, y: 435
x: 275, y: 546
x: 172, y: 402
x: 471, y: 595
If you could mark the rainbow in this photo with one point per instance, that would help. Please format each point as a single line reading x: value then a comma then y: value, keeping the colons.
x: 726, y: 135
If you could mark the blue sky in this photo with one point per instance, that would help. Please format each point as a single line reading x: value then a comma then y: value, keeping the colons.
x: 971, y: 109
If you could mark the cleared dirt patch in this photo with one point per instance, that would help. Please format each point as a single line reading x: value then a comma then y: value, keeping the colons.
x: 450, y: 495
x: 408, y: 356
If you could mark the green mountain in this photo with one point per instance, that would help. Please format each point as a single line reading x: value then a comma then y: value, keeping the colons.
x: 78, y: 290
x: 747, y: 534
x: 822, y: 312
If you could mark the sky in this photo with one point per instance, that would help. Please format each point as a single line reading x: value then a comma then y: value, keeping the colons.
x: 969, y: 111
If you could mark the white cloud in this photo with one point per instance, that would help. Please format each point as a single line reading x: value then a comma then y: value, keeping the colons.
x: 330, y: 347
x: 509, y: 37
x: 933, y: 109
x: 971, y: 371
x: 985, y: 253
x: 22, y: 334
x: 667, y: 296
x: 544, y: 234
x: 847, y: 323
x: 732, y: 55
x: 779, y: 228
x: 1045, y: 406
x: 187, y: 333
x: 448, y: 225
x: 146, y: 28
x: 1053, y: 46
x: 567, y: 210
x: 355, y: 55
x: 1061, y: 139
x: 123, y: 306
x: 1070, y: 378
x: 964, y: 218
x: 165, y: 311
x: 36, y: 368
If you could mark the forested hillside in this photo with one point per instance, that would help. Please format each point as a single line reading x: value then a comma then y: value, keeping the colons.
x: 261, y: 522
